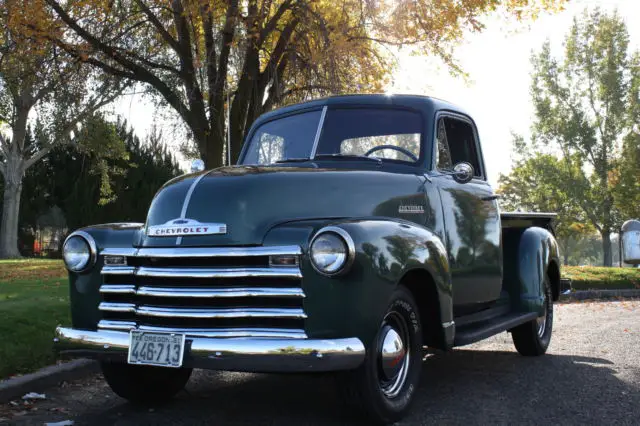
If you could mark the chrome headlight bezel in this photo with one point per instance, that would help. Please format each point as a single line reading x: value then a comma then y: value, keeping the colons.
x: 345, y: 239
x: 91, y: 245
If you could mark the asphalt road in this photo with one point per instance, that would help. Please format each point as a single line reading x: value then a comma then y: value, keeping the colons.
x: 591, y: 375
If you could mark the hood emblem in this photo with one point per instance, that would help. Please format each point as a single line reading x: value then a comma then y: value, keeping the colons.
x: 411, y: 209
x: 182, y: 227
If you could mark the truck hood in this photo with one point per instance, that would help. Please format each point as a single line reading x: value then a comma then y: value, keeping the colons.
x: 243, y: 203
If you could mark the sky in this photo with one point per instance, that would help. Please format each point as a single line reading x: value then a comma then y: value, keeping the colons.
x: 498, y: 64
x: 496, y: 94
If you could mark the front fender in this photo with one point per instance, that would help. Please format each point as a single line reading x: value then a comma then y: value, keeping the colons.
x: 529, y: 253
x: 353, y: 304
x: 84, y: 287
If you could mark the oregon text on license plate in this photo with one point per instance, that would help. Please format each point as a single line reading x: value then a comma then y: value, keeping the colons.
x: 160, y: 349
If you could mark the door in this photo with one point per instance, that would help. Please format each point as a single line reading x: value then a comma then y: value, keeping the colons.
x: 471, y: 217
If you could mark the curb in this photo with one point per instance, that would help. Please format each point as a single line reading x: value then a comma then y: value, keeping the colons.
x: 600, y: 294
x: 45, y: 378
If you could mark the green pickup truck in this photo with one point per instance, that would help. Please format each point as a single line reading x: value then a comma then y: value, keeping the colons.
x: 354, y: 232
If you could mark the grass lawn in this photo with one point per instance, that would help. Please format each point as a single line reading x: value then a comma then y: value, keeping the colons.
x: 600, y: 278
x: 34, y: 298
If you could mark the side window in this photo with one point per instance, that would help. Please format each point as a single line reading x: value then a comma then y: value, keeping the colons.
x: 458, y: 144
x: 443, y: 157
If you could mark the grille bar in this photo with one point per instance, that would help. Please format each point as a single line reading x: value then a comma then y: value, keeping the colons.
x: 116, y: 325
x: 117, y: 307
x: 176, y: 252
x: 118, y: 270
x: 219, y: 292
x: 218, y: 272
x: 203, y: 292
x: 118, y: 289
x: 293, y: 333
x: 207, y: 313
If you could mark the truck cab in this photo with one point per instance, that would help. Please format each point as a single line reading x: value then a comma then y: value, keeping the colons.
x: 353, y: 232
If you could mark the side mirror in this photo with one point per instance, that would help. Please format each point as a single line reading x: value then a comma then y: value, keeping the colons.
x: 197, y: 166
x: 463, y: 172
x: 630, y: 235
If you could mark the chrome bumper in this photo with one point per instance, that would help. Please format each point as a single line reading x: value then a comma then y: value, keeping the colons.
x: 232, y: 354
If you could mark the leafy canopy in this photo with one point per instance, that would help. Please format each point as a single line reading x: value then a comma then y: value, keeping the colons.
x: 195, y: 55
x: 586, y: 112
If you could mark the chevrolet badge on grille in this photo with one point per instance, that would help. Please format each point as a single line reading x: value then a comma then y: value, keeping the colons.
x: 183, y: 227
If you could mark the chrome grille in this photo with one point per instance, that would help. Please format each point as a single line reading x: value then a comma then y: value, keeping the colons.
x: 206, y: 292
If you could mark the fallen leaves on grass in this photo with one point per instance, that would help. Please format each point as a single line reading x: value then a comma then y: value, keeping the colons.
x: 31, y: 269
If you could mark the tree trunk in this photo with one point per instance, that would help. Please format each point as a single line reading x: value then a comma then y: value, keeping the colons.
x: 10, y: 210
x: 606, y: 248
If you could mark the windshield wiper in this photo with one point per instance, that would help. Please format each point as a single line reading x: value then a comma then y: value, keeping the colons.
x: 348, y: 157
x: 293, y: 160
x: 332, y: 157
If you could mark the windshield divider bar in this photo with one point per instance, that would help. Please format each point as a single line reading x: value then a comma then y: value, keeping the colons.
x: 318, y: 132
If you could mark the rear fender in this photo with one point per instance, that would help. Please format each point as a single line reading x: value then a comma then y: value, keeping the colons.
x: 529, y: 256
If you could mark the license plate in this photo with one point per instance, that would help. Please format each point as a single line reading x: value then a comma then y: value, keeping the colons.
x: 159, y: 349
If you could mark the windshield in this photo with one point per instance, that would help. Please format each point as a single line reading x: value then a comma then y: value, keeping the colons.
x: 379, y: 133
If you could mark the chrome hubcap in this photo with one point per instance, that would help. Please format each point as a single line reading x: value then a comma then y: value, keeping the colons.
x: 393, y: 355
x: 542, y: 321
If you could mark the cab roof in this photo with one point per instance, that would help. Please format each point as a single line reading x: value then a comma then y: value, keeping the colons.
x: 426, y: 104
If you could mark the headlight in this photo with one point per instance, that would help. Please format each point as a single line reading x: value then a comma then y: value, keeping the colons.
x: 79, y: 251
x: 332, y: 251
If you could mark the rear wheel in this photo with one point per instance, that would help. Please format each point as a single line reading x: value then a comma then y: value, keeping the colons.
x: 145, y: 385
x: 382, y: 387
x: 533, y: 337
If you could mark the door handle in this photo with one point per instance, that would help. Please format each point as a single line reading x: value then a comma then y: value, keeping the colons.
x: 490, y: 197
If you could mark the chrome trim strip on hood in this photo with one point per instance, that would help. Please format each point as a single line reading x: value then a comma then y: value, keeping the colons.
x: 187, y: 199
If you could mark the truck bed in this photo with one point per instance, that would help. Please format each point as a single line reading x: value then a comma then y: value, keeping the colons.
x: 527, y: 220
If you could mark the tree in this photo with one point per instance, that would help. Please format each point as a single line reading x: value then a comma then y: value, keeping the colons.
x: 72, y: 176
x: 585, y: 105
x: 113, y: 185
x: 43, y: 87
x: 196, y: 54
x: 536, y: 184
x: 626, y: 175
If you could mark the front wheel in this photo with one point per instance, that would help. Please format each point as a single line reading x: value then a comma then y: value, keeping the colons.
x: 145, y: 385
x: 382, y: 387
x: 533, y: 337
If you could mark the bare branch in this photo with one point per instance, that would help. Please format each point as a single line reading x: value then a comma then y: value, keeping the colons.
x: 158, y: 25
x: 273, y: 22
x: 227, y: 39
x: 137, y: 72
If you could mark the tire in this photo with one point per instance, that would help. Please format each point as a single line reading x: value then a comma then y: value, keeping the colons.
x: 379, y: 394
x: 145, y: 385
x: 533, y: 337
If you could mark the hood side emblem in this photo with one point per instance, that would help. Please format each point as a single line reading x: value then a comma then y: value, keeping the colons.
x: 182, y: 227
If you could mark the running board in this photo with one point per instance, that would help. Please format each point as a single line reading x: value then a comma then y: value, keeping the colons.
x: 472, y: 333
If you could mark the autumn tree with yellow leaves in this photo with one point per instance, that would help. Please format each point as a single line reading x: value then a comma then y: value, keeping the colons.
x: 42, y: 90
x: 196, y: 54
x: 61, y: 60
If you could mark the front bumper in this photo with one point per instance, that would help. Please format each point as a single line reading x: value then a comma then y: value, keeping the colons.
x: 232, y: 354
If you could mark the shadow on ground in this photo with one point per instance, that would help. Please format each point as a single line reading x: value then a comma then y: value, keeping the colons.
x: 460, y: 387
